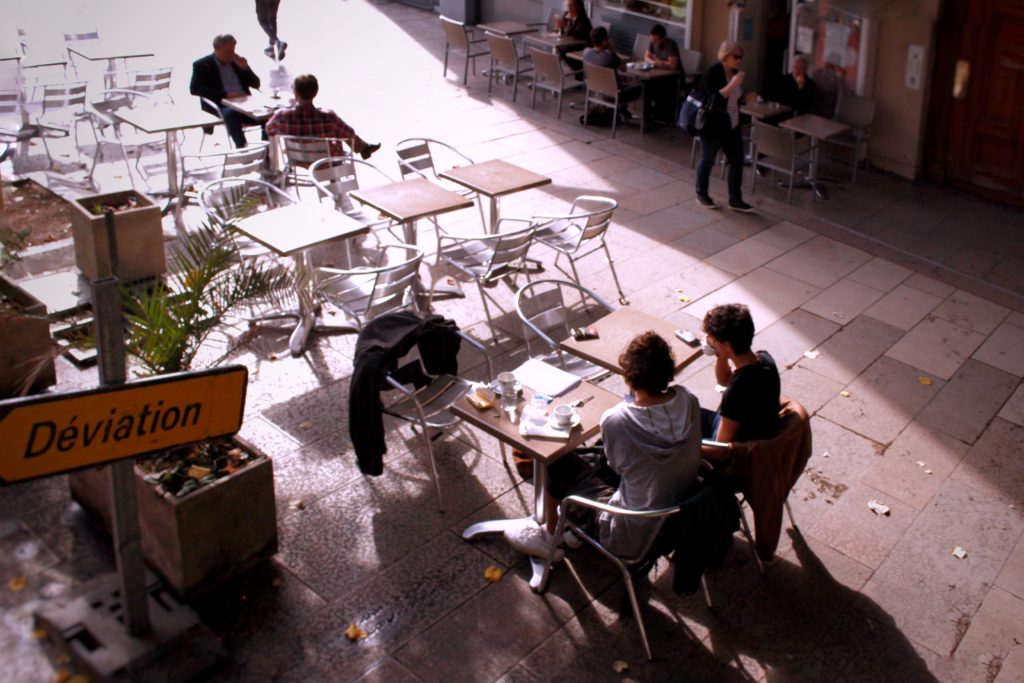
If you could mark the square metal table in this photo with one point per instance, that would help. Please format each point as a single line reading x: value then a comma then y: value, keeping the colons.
x: 168, y: 119
x: 544, y: 451
x: 292, y: 230
x: 819, y: 128
x: 494, y: 179
x: 97, y: 51
x: 617, y: 329
x: 407, y: 201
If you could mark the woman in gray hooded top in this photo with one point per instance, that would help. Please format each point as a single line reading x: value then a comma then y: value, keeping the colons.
x: 652, y: 445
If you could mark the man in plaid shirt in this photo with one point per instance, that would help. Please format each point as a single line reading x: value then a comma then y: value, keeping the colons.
x: 307, y: 120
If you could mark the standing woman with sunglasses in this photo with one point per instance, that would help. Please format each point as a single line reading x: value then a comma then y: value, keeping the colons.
x: 723, y: 82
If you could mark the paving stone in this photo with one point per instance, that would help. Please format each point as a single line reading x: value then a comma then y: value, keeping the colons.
x: 849, y: 351
x: 745, y: 256
x: 993, y: 464
x: 880, y: 273
x: 965, y: 406
x: 853, y: 529
x: 843, y: 301
x: 809, y: 388
x: 819, y: 261
x: 903, y: 307
x: 785, y: 235
x: 1013, y: 411
x: 996, y: 630
x: 790, y: 337
x: 769, y: 294
x: 930, y: 285
x: 1011, y: 578
x: 931, y: 594
x: 972, y: 312
x: 22, y: 552
x: 1002, y: 349
x: 706, y: 241
x: 936, y: 346
x: 898, y: 473
x: 22, y: 498
x: 882, y: 400
x: 388, y: 671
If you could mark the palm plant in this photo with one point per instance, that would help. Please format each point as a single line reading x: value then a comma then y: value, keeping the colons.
x: 168, y: 323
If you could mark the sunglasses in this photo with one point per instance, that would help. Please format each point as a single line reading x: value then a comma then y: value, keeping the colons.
x: 737, y: 56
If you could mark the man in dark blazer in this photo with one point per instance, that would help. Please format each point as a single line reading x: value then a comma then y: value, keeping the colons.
x: 223, y: 75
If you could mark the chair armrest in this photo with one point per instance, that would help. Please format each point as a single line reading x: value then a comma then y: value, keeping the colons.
x: 510, y: 219
x: 482, y: 349
x: 578, y: 501
x: 452, y: 150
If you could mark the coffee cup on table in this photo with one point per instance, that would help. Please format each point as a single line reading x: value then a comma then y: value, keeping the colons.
x: 507, y: 383
x: 563, y: 415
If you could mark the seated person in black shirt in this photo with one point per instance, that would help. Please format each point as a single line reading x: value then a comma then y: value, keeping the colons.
x: 797, y: 89
x: 749, y: 410
x: 663, y: 53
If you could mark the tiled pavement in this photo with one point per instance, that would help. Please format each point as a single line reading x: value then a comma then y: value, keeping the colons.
x: 910, y: 296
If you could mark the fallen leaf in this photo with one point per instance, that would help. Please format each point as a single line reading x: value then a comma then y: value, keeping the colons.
x: 825, y: 454
x: 958, y: 552
x: 678, y: 291
x: 17, y: 584
x: 618, y: 666
x: 878, y: 508
x: 811, y: 354
x: 928, y: 472
x: 38, y: 634
x: 61, y: 676
x: 927, y: 381
x: 494, y: 574
x: 844, y: 394
x: 921, y: 463
x: 684, y: 298
x: 837, y: 314
x: 354, y: 633
x: 299, y: 504
x: 306, y: 425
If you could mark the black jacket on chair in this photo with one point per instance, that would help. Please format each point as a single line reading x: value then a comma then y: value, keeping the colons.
x: 381, y: 343
x: 206, y: 80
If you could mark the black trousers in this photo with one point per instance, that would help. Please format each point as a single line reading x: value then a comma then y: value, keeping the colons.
x: 266, y: 14
x: 233, y: 122
x: 732, y: 144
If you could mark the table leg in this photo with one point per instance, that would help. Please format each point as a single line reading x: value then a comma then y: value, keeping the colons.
x: 493, y: 226
x: 173, y: 188
x: 307, y: 317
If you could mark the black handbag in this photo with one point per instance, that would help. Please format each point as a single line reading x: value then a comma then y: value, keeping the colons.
x: 689, y: 114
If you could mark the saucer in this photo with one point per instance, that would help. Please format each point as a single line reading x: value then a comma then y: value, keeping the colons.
x: 572, y: 424
x: 496, y: 388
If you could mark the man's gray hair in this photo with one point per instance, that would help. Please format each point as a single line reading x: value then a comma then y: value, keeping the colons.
x: 223, y: 39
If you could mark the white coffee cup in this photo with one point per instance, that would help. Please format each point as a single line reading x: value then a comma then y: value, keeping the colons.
x: 563, y: 415
x: 707, y: 348
x: 507, y: 382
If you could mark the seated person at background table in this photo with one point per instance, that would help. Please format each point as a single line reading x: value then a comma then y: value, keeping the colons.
x: 797, y: 89
x: 225, y: 74
x: 749, y: 410
x: 576, y: 24
x: 601, y: 54
x: 662, y: 93
x: 651, y: 453
x: 306, y: 120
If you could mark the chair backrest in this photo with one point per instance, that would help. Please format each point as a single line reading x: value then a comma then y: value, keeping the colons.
x: 368, y: 293
x: 301, y: 152
x: 503, y: 50
x: 8, y: 101
x: 63, y: 95
x: 640, y: 45
x: 773, y: 141
x: 455, y: 33
x: 547, y: 66
x: 601, y: 80
x: 152, y: 80
x: 213, y: 107
x: 248, y: 159
x: 113, y: 100
x: 542, y: 307
x: 855, y: 111
x: 82, y: 36
x: 691, y: 61
x: 334, y: 177
x: 509, y: 248
x: 414, y: 157
x: 598, y: 213
x: 230, y: 199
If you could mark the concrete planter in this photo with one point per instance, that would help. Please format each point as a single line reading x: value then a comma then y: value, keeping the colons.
x: 25, y: 344
x: 140, y: 240
x: 197, y: 541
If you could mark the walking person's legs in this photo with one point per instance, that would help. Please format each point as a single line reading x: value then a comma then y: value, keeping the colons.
x: 266, y: 15
x: 709, y: 147
x: 732, y: 145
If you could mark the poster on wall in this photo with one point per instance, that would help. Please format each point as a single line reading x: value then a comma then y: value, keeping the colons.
x: 804, y: 40
x: 837, y: 38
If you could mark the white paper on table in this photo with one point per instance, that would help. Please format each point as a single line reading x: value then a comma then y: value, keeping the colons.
x: 545, y: 378
x: 543, y: 429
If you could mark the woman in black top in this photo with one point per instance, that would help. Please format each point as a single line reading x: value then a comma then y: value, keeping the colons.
x: 575, y: 23
x: 723, y: 82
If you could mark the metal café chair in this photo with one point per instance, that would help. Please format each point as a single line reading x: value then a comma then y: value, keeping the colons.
x: 547, y: 317
x: 603, y: 89
x: 459, y: 40
x: 550, y: 77
x: 153, y: 82
x: 579, y: 233
x: 214, y: 109
x: 505, y: 60
x: 858, y: 113
x: 63, y: 110
x: 102, y: 109
x: 230, y: 199
x: 418, y: 158
x: 336, y: 177
x: 300, y: 152
x: 779, y: 150
x: 236, y: 163
x: 486, y: 259
x: 366, y: 292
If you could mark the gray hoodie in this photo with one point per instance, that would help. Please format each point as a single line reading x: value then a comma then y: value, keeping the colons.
x: 656, y: 451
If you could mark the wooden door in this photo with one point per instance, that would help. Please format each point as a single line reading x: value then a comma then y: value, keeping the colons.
x: 984, y: 141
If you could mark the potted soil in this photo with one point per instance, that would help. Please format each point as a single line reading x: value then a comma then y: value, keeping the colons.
x: 206, y: 511
x: 26, y: 349
x: 140, y: 239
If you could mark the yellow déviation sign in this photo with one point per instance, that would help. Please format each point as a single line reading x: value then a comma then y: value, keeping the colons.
x: 54, y: 433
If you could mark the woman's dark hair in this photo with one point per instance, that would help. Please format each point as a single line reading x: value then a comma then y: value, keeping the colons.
x: 647, y: 363
x: 731, y: 323
x: 581, y: 9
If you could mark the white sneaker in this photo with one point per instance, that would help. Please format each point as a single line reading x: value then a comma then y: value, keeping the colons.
x: 532, y: 540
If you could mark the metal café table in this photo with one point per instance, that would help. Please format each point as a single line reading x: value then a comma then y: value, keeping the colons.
x: 292, y: 230
x: 506, y: 28
x: 407, y: 201
x: 169, y: 119
x: 554, y: 41
x: 819, y: 128
x: 761, y: 111
x: 258, y: 105
x: 494, y: 179
x: 99, y: 51
x: 544, y: 451
x: 617, y: 329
